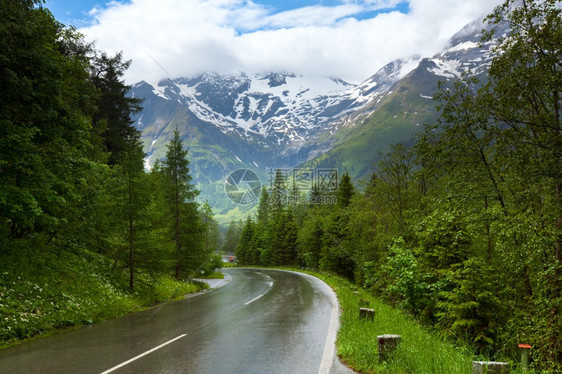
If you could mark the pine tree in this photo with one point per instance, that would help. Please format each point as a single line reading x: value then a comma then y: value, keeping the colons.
x: 288, y: 233
x: 160, y: 241
x: 310, y: 241
x: 44, y: 125
x: 245, y: 248
x: 263, y: 208
x: 114, y: 107
x: 135, y: 203
x: 470, y: 308
x: 345, y: 191
x: 279, y: 195
x: 180, y: 195
x: 231, y: 238
x: 212, y: 235
x: 336, y: 256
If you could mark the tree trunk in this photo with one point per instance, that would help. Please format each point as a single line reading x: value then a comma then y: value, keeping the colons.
x: 131, y: 238
x: 177, y: 224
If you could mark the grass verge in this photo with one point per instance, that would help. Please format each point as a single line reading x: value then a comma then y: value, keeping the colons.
x: 213, y: 275
x: 421, y: 351
x: 49, y: 293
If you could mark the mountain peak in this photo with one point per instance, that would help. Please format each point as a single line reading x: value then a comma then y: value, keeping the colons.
x: 277, y: 79
x: 281, y: 119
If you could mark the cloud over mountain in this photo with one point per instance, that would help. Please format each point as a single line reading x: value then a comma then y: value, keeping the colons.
x: 351, y: 39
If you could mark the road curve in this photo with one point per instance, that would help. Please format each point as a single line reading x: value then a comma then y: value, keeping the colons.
x: 263, y: 321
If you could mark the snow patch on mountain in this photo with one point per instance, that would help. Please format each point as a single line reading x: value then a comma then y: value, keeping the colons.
x: 285, y: 111
x: 284, y: 107
x: 446, y: 68
x: 463, y: 46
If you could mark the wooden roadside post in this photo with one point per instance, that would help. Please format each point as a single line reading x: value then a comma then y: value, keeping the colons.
x: 490, y: 367
x: 367, y: 313
x: 387, y: 344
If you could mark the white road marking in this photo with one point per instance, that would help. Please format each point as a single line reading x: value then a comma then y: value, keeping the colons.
x: 330, y: 346
x: 329, y: 353
x: 251, y: 301
x: 143, y: 354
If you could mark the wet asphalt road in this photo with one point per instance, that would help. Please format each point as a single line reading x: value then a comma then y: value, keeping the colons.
x: 263, y: 321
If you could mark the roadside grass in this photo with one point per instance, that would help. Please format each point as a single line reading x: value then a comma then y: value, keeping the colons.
x: 421, y: 351
x: 65, y: 290
x: 213, y: 275
x: 166, y: 288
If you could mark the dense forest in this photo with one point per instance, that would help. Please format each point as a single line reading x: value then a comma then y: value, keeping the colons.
x: 84, y: 229
x: 464, y: 229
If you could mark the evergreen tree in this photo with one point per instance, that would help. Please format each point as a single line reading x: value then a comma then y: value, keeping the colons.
x: 279, y: 196
x: 180, y: 195
x: 262, y: 231
x: 114, y: 107
x: 345, y: 191
x: 470, y: 308
x: 135, y: 202
x: 212, y: 235
x: 263, y: 208
x: 245, y: 248
x: 231, y: 238
x: 336, y: 255
x: 44, y: 125
x: 288, y: 248
x: 498, y: 154
x: 160, y: 240
x: 310, y: 242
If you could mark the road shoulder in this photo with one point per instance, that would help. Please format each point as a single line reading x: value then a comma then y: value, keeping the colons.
x: 212, y: 283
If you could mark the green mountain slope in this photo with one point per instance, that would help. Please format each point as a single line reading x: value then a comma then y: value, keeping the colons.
x: 398, y: 117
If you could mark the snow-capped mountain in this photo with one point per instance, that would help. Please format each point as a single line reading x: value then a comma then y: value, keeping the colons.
x: 465, y: 54
x: 275, y: 109
x: 400, y: 112
x: 280, y: 120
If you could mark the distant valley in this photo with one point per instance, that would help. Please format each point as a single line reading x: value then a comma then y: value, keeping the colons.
x: 282, y: 120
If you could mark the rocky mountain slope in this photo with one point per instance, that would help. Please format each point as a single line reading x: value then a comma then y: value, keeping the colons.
x: 401, y: 112
x: 281, y: 120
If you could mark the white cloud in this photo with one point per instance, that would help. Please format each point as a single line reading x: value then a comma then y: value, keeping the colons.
x: 188, y: 37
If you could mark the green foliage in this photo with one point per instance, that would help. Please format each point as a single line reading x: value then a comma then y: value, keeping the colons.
x: 310, y: 242
x: 84, y: 230
x: 345, y: 191
x: 114, y: 108
x: 336, y: 255
x: 44, y: 123
x: 64, y: 289
x: 420, y: 352
x: 212, y: 232
x: 263, y: 207
x: 231, y: 238
x: 185, y: 223
x: 470, y: 308
x: 246, y: 251
x: 406, y: 280
x: 210, y: 267
x: 464, y: 230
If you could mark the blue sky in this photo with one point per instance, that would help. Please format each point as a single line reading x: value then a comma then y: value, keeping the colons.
x: 347, y: 39
x: 73, y: 12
